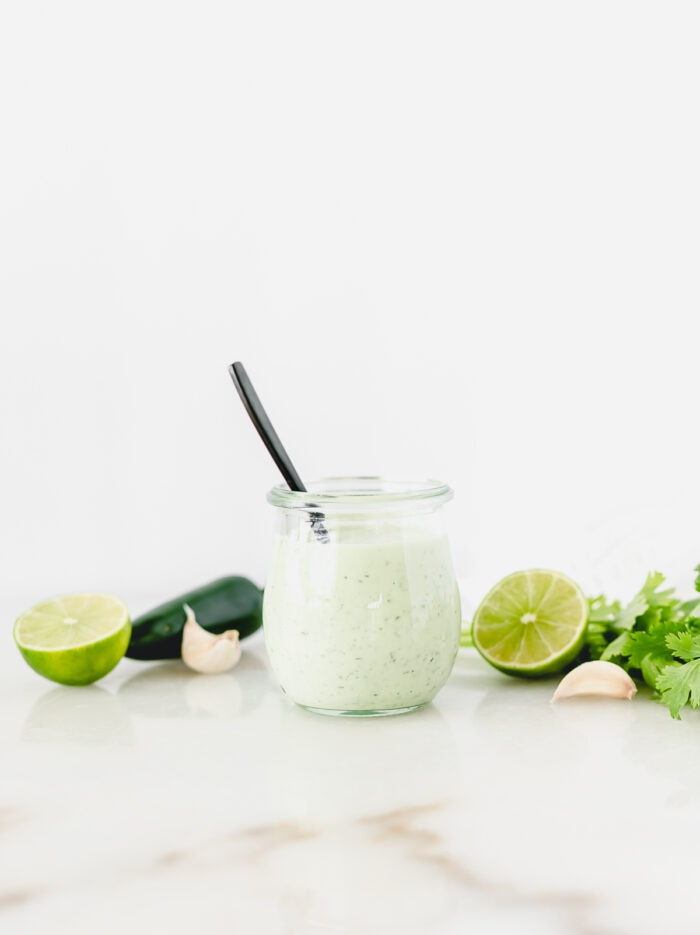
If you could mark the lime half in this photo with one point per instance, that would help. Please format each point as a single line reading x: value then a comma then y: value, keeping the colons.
x: 75, y: 639
x: 531, y: 623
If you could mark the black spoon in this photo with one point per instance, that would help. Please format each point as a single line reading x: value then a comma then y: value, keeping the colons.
x: 266, y: 431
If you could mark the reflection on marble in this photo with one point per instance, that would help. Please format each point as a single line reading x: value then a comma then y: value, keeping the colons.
x: 170, y: 689
x: 164, y: 800
x: 87, y: 715
x: 344, y: 767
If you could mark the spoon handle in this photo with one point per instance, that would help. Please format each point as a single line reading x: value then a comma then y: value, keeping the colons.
x: 264, y: 427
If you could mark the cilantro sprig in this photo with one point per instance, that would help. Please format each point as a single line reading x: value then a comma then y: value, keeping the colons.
x: 655, y: 637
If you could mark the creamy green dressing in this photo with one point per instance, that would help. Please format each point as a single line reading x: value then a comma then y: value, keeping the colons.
x: 369, y: 621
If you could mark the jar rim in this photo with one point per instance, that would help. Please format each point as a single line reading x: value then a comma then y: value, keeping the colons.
x: 370, y: 491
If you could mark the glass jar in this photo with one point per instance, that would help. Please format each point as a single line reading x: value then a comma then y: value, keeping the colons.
x: 361, y: 611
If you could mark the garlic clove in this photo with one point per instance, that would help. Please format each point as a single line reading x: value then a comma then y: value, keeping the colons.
x: 596, y: 678
x: 208, y: 652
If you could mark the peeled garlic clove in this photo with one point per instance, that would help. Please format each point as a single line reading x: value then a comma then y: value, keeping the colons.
x: 208, y: 652
x: 596, y: 678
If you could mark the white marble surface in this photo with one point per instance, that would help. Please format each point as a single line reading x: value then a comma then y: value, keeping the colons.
x: 160, y: 800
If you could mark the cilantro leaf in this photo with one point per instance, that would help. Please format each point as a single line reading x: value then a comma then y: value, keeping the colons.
x: 690, y: 607
x: 642, y: 643
x: 600, y: 611
x: 648, y: 652
x: 627, y: 617
x: 651, y: 667
x: 609, y: 620
x: 685, y: 645
x: 679, y: 685
x: 618, y: 647
x: 655, y: 636
x: 653, y: 596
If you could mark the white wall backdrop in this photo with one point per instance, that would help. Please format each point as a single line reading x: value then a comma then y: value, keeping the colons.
x: 449, y: 239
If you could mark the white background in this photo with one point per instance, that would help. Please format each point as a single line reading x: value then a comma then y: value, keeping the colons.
x: 447, y: 239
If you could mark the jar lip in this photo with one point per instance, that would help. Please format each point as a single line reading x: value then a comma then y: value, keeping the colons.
x: 343, y: 493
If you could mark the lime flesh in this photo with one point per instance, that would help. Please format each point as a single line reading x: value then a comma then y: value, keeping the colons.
x: 531, y: 623
x: 75, y: 639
